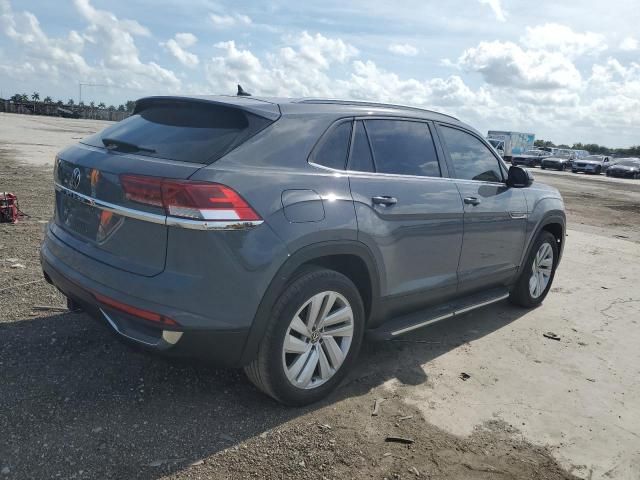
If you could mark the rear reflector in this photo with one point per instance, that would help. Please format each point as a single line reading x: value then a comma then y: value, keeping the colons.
x: 136, y: 312
x: 188, y: 199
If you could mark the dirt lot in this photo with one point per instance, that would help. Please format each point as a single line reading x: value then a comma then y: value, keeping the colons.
x: 76, y: 403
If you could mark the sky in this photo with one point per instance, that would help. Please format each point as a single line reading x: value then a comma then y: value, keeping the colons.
x: 567, y: 71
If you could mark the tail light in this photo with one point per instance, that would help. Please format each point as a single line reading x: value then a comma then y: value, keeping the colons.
x: 188, y: 199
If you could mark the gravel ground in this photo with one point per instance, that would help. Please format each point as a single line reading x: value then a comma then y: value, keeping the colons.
x: 76, y: 403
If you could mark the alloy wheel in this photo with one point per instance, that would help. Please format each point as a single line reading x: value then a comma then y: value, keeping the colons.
x: 317, y: 340
x: 541, y: 270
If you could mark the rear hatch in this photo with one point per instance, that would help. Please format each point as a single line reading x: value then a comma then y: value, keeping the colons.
x: 166, y: 137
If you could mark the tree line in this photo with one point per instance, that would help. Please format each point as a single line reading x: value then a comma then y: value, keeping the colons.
x: 34, y: 98
x: 593, y: 148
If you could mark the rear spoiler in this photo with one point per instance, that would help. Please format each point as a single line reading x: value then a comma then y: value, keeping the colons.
x: 261, y: 108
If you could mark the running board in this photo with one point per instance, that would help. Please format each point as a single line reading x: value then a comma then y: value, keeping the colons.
x: 429, y: 316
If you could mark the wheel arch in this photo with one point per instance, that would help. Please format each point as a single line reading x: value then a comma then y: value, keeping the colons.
x: 349, y: 257
x: 554, y: 223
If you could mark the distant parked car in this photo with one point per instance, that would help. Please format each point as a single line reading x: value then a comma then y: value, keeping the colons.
x: 530, y: 158
x: 625, y: 168
x: 591, y: 164
x: 559, y: 161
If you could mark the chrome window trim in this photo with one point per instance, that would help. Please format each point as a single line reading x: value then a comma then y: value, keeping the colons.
x: 377, y: 174
x: 154, y: 217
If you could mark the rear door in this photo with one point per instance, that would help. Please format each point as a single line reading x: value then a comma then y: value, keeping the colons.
x: 494, y: 215
x: 409, y: 215
x: 164, y: 138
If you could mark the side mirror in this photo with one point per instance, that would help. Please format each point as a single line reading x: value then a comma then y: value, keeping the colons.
x: 519, y: 177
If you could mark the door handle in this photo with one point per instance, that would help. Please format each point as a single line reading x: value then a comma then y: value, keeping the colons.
x: 471, y: 201
x: 384, y: 200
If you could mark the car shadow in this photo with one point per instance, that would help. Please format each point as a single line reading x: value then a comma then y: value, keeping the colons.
x: 73, y: 399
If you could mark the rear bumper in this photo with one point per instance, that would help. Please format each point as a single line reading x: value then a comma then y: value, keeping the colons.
x: 219, y: 345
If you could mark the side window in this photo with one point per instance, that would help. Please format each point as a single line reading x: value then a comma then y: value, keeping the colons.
x: 333, y: 147
x: 403, y: 147
x: 471, y: 159
x: 361, y: 159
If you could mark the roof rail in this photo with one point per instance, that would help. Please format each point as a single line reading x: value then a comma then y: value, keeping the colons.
x: 369, y: 104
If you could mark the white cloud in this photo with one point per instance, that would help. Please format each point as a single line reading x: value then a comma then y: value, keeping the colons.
x: 507, y: 64
x: 307, y: 68
x: 53, y: 56
x: 121, y: 58
x: 225, y: 21
x: 185, y: 39
x: 629, y: 44
x: 177, y: 47
x: 562, y: 38
x: 404, y: 49
x: 496, y: 7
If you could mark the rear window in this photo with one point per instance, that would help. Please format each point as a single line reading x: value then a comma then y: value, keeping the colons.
x: 402, y: 148
x: 183, y: 131
x: 361, y: 159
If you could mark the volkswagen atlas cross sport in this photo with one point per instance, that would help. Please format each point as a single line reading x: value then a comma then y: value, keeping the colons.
x: 271, y: 234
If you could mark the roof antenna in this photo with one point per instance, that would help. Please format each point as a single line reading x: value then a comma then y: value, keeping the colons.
x: 241, y: 92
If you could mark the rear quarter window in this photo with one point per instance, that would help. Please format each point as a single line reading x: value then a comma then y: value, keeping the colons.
x: 183, y: 131
x: 333, y: 147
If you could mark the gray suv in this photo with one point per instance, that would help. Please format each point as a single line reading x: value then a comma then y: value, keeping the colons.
x: 271, y: 234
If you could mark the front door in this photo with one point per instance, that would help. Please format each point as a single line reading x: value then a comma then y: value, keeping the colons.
x: 494, y: 215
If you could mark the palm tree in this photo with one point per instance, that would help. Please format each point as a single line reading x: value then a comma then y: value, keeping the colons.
x: 24, y: 97
x: 121, y: 108
x: 70, y: 102
x: 48, y: 99
x: 102, y: 105
x: 35, y: 96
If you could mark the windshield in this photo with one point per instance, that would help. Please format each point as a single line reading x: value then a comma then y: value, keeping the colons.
x: 629, y: 163
x: 597, y: 158
x: 533, y: 152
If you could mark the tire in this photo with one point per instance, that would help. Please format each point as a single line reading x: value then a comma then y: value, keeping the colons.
x: 522, y: 294
x: 598, y: 171
x: 542, y: 167
x: 574, y: 171
x: 272, y: 366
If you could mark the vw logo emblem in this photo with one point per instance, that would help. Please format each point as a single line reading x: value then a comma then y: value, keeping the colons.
x: 75, y: 178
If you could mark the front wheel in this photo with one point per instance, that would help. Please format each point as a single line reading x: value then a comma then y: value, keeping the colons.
x: 312, y: 340
x: 537, y: 273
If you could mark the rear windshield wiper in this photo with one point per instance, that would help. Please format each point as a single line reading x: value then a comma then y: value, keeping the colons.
x: 121, y: 145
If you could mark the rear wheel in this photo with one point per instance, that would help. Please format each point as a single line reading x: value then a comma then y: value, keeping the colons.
x: 598, y: 171
x: 313, y: 338
x: 537, y: 274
